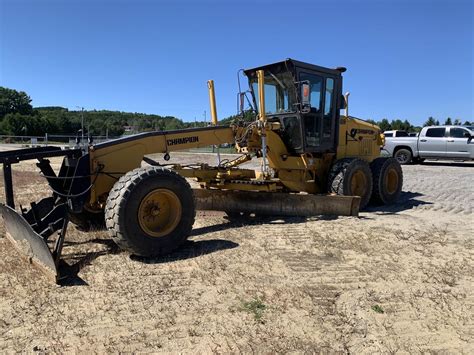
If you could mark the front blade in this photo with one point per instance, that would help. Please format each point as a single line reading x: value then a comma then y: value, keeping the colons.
x: 29, y: 243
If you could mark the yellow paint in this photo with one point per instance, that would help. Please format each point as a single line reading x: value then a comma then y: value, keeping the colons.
x: 212, y: 101
x: 159, y: 212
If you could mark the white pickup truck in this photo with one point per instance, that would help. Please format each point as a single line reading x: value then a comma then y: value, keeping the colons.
x: 433, y: 142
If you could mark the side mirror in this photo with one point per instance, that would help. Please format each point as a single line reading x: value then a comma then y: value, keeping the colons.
x: 305, y: 96
x: 467, y: 135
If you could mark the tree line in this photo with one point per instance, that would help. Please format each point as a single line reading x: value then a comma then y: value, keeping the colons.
x: 18, y: 117
x: 386, y: 125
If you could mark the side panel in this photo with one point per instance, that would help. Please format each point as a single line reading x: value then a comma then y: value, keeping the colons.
x: 116, y: 158
x: 358, y: 139
x: 392, y: 143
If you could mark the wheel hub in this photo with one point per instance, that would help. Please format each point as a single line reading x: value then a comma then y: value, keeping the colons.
x: 159, y: 212
x: 391, y: 181
x: 358, y: 184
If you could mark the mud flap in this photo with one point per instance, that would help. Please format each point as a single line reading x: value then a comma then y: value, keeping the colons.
x: 29, y: 243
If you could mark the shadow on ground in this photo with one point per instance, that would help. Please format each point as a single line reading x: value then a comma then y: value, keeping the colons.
x: 406, y: 201
x: 459, y: 164
x: 190, y: 249
x: 74, y: 263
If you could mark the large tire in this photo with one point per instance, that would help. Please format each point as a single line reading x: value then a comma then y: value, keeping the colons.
x: 88, y: 221
x: 388, y: 180
x: 351, y: 177
x: 150, y: 211
x: 403, y: 156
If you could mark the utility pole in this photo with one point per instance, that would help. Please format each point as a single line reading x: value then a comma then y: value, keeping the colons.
x: 82, y: 123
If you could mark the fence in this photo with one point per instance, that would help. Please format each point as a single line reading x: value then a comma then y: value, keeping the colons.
x: 71, y: 141
x: 48, y: 139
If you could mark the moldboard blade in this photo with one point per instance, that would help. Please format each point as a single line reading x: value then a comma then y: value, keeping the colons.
x: 29, y: 243
x: 276, y: 203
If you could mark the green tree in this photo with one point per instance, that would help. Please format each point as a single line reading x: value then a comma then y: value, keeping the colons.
x: 385, y: 125
x: 467, y: 123
x: 21, y: 125
x: 12, y: 101
x: 430, y: 122
x: 397, y: 124
x: 448, y: 122
x: 407, y: 126
x: 248, y: 116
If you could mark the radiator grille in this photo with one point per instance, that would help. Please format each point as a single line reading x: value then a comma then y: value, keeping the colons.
x: 365, y: 147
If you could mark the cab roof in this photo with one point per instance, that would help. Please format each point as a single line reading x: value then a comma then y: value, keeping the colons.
x: 292, y: 63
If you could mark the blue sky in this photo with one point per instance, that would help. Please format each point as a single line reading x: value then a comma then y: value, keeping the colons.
x: 405, y: 59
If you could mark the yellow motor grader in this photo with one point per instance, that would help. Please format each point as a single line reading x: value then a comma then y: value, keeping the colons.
x: 313, y: 161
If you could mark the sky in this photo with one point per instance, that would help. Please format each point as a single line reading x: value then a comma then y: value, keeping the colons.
x: 405, y: 59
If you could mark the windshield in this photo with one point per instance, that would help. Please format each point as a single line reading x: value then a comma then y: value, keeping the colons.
x: 280, y: 93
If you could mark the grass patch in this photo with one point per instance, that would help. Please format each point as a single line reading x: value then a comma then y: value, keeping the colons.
x: 255, y: 307
x: 377, y: 309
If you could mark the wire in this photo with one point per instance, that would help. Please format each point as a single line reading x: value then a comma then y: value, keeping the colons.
x: 79, y: 194
x: 65, y: 177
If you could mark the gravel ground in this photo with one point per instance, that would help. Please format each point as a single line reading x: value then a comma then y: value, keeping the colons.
x: 396, y: 279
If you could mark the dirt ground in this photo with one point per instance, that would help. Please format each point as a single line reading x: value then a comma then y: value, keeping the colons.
x: 396, y: 279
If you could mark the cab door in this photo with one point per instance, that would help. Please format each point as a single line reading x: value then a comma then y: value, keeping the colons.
x: 457, y: 145
x: 319, y: 123
x: 433, y: 143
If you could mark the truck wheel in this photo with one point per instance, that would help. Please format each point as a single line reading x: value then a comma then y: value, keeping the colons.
x: 351, y: 177
x: 88, y: 221
x: 388, y: 180
x: 150, y: 211
x: 403, y: 156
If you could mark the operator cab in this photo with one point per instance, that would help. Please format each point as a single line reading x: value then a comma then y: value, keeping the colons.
x: 305, y: 99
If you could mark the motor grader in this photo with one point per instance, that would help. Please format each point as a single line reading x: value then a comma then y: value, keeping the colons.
x: 313, y: 161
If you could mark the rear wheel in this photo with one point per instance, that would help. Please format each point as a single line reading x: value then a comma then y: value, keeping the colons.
x: 150, y: 211
x: 403, y: 156
x: 388, y: 180
x: 351, y: 177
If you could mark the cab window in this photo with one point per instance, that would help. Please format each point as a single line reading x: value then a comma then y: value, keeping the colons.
x: 436, y: 132
x: 280, y: 95
x: 458, y: 133
x: 388, y: 134
x: 328, y: 108
x: 312, y: 120
x: 315, y: 86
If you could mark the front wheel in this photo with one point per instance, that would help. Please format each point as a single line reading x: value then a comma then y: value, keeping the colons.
x: 351, y: 177
x: 150, y: 211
